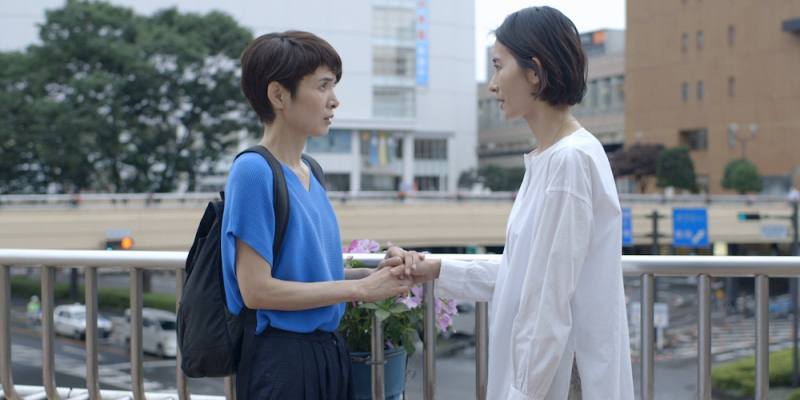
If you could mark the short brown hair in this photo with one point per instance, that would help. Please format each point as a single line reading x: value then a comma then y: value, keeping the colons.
x: 285, y: 58
x: 548, y: 35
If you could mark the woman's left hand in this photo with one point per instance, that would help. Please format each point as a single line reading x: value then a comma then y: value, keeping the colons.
x: 409, y: 260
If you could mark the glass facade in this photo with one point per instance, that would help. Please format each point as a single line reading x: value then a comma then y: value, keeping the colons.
x: 394, y: 59
x: 603, y: 96
x: 336, y: 141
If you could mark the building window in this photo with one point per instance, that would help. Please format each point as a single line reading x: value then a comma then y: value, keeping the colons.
x: 620, y: 91
x: 378, y: 182
x: 685, y: 42
x: 700, y: 90
x: 336, y: 141
x: 685, y: 89
x: 731, y: 35
x: 427, y: 182
x: 430, y: 149
x: 731, y: 86
x: 393, y: 23
x: 700, y: 40
x: 696, y: 139
x: 394, y: 102
x: 393, y: 61
x: 337, y: 182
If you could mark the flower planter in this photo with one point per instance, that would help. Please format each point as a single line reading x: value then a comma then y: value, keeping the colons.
x: 394, y: 374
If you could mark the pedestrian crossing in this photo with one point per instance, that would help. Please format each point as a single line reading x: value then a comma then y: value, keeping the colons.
x: 113, y: 375
x: 732, y: 340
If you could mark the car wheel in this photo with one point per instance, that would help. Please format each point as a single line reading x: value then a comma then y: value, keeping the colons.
x: 160, y: 351
x: 77, y: 335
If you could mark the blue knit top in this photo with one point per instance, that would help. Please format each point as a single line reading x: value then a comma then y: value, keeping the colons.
x: 311, y: 250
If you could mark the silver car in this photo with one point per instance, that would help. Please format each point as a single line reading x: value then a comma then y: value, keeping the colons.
x: 158, y: 332
x: 70, y: 320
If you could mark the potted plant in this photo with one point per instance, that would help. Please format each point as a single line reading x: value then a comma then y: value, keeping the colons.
x: 402, y: 323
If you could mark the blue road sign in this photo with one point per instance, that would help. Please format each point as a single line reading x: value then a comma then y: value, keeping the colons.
x: 689, y: 227
x: 627, y: 227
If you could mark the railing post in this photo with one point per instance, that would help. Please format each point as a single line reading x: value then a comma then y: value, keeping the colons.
x: 48, y: 333
x: 137, y: 363
x: 377, y: 361
x: 182, y: 381
x: 648, y: 297
x: 762, y: 337
x: 481, y: 349
x: 704, y: 339
x: 92, y: 363
x: 5, y: 335
x: 429, y: 360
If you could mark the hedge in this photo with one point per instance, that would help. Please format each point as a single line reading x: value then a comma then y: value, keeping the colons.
x: 106, y: 297
x: 740, y: 375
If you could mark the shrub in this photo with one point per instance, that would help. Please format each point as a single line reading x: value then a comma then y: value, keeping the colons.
x: 118, y: 298
x: 794, y: 395
x: 740, y: 375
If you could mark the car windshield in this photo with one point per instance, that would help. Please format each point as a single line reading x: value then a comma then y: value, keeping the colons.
x: 167, y: 325
x: 79, y: 315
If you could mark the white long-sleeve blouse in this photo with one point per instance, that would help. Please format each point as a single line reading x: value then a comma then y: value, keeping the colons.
x: 557, y: 292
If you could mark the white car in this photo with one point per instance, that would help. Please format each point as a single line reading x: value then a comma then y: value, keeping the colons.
x: 158, y: 332
x: 70, y: 320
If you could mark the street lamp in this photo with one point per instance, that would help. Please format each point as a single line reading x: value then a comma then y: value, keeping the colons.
x: 733, y: 138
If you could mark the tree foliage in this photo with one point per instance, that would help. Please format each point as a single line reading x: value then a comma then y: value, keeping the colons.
x: 494, y: 177
x: 744, y: 177
x: 639, y: 161
x: 113, y: 101
x: 726, y: 176
x: 675, y: 168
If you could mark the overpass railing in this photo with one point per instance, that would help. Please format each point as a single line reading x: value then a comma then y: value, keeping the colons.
x: 646, y: 267
x: 200, y: 199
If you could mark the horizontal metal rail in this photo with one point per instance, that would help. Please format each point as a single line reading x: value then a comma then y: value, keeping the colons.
x: 646, y: 267
x: 198, y: 199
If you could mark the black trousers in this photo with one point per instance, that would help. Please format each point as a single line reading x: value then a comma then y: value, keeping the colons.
x: 300, y: 366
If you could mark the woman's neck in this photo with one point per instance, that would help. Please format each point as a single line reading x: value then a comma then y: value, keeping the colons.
x: 551, y: 123
x: 286, y: 145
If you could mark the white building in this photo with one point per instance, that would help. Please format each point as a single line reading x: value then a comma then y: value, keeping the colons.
x: 407, y: 112
x: 407, y: 115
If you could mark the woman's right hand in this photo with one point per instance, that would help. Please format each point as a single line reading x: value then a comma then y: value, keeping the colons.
x: 424, y: 271
x: 382, y: 284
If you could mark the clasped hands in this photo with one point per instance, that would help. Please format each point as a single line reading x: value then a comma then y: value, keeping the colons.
x: 397, y: 273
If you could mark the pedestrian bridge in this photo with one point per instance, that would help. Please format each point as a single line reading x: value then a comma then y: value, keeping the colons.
x: 427, y: 219
x: 646, y: 267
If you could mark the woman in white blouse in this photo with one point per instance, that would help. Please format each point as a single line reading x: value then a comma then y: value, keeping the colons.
x: 557, y: 293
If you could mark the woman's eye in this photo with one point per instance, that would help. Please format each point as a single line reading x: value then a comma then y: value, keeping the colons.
x: 496, y: 66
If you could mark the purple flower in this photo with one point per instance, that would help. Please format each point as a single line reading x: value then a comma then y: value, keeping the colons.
x: 444, y: 321
x: 389, y: 244
x: 418, y: 291
x: 410, y: 301
x: 389, y: 345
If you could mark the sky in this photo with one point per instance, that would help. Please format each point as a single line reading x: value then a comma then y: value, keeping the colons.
x: 18, y: 19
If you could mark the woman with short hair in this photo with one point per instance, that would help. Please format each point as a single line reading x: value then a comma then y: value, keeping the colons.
x: 557, y: 292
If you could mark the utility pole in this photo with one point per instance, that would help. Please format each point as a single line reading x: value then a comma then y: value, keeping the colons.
x: 656, y: 247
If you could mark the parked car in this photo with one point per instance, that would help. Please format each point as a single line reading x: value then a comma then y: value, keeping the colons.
x: 158, y: 332
x: 70, y: 320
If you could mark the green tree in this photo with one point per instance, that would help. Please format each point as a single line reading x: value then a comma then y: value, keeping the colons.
x: 675, y: 168
x: 744, y: 177
x: 500, y: 179
x: 639, y: 161
x: 123, y: 102
x: 726, y: 176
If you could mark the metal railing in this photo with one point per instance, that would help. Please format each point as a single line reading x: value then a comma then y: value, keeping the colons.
x: 647, y: 267
x: 201, y: 199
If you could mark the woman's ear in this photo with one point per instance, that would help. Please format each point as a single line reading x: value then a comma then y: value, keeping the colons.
x: 277, y: 95
x: 532, y: 76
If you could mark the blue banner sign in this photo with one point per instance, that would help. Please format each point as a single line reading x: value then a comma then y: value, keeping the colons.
x: 689, y: 227
x: 422, y: 32
x: 627, y: 227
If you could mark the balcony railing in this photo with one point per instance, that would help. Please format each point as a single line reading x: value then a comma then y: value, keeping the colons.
x: 646, y: 267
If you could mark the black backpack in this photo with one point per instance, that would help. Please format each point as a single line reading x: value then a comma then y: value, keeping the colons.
x: 211, y: 338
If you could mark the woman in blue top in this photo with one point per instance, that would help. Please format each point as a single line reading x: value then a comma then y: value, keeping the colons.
x: 289, y: 78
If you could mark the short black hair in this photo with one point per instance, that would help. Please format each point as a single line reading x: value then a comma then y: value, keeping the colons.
x: 548, y: 35
x: 286, y: 58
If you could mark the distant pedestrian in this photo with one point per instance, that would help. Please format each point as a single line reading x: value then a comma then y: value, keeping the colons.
x: 34, y: 309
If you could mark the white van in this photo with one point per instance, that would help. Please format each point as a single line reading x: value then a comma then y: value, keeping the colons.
x: 158, y: 332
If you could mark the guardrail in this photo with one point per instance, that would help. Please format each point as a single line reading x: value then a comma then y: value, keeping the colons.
x: 200, y: 199
x: 647, y: 267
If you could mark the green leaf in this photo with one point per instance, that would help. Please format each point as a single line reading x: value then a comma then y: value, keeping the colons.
x: 369, y: 306
x: 382, y: 315
x: 399, y: 308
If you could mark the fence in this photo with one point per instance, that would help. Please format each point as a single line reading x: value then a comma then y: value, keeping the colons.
x: 647, y: 267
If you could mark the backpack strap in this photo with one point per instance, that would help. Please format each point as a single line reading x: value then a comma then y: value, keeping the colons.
x: 316, y: 170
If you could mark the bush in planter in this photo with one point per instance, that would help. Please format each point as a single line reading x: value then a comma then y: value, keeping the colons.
x: 740, y: 375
